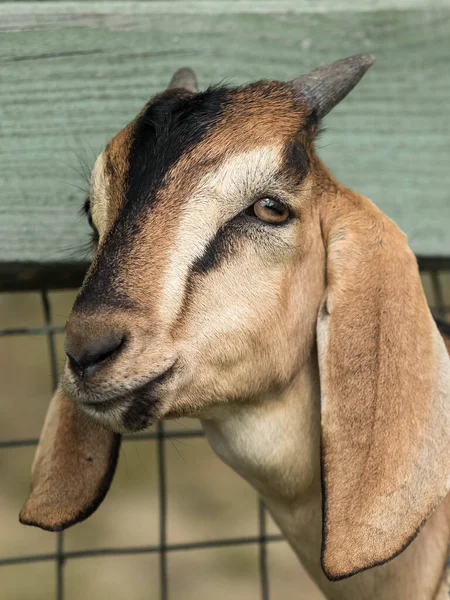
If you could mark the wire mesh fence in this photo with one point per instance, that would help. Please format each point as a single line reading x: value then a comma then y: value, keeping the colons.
x: 436, y: 280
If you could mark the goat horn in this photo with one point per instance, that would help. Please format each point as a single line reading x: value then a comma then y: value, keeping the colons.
x: 184, y: 78
x: 326, y: 86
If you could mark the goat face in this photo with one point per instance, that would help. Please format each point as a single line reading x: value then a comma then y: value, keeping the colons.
x: 209, y: 266
x: 213, y: 214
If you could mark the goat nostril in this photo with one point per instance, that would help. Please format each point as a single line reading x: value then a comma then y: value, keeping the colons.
x: 87, y: 356
x: 75, y: 366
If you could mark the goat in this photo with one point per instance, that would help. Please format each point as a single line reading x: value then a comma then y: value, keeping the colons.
x: 234, y: 279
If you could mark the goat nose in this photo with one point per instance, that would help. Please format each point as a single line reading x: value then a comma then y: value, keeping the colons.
x: 87, y: 355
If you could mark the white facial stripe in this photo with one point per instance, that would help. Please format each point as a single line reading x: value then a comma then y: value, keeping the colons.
x: 322, y: 343
x: 99, y: 193
x: 244, y: 175
x: 218, y: 197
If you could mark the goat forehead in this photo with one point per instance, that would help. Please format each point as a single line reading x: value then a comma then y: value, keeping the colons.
x: 179, y: 145
x: 178, y: 137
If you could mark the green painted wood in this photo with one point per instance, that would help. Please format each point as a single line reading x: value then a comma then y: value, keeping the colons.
x: 73, y: 73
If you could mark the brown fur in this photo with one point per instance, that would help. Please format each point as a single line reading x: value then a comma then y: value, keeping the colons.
x: 259, y: 115
x: 116, y: 166
x: 372, y: 390
x: 72, y: 469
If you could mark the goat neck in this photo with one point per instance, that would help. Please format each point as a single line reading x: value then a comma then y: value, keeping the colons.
x: 274, y: 443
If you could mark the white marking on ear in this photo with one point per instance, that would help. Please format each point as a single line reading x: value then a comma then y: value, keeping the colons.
x: 219, y: 196
x: 322, y: 345
x: 443, y: 386
x: 98, y: 193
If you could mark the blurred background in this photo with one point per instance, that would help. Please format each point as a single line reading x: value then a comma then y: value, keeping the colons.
x: 72, y: 74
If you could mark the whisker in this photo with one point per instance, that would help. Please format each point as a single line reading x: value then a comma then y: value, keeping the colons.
x: 123, y: 453
x: 326, y: 145
x: 178, y: 452
x: 142, y: 463
x: 80, y: 174
x: 77, y: 187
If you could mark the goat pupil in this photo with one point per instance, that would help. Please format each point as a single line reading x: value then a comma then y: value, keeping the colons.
x: 274, y: 206
x: 271, y: 211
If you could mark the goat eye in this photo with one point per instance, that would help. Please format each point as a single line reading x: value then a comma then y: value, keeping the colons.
x: 87, y: 212
x: 271, y: 211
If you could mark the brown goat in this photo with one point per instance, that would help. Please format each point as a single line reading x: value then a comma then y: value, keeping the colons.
x: 235, y: 280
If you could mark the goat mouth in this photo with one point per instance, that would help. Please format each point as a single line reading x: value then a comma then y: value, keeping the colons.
x: 132, y: 411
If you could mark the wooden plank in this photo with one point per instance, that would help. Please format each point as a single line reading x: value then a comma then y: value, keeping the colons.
x: 73, y: 73
x: 35, y: 276
x: 202, y: 7
x: 16, y: 277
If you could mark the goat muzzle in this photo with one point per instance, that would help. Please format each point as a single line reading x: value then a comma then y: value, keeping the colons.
x: 90, y: 350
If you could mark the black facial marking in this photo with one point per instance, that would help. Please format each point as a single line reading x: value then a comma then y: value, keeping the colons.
x: 140, y: 414
x: 167, y: 129
x: 101, y: 288
x: 216, y: 250
x: 296, y: 161
x: 143, y: 408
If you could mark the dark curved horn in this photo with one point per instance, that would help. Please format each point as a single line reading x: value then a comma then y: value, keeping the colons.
x: 184, y: 78
x: 326, y: 86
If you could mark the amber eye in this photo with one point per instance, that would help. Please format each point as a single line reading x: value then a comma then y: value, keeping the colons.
x: 271, y: 211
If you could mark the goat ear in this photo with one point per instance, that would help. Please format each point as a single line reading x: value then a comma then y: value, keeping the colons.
x: 184, y: 78
x: 72, y: 469
x: 385, y: 392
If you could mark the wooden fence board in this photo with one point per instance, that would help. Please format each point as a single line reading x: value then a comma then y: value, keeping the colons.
x: 72, y: 73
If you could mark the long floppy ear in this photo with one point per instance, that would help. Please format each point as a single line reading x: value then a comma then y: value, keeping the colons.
x: 72, y: 469
x: 385, y: 388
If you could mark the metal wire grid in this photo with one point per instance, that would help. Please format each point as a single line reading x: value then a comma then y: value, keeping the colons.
x: 60, y: 556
